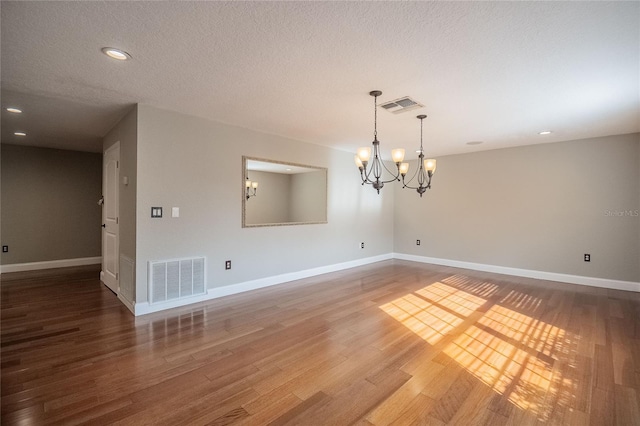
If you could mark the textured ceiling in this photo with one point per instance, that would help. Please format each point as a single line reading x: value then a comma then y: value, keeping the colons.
x: 494, y: 72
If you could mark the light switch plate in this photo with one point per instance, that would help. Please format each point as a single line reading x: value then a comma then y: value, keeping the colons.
x: 156, y: 211
x: 175, y: 211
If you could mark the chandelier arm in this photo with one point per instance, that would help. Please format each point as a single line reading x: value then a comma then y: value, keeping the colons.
x: 362, y: 176
x: 379, y: 166
x: 420, y: 173
x: 396, y: 176
x: 372, y: 168
x: 370, y: 181
x: 393, y: 179
x: 406, y: 185
x: 376, y: 169
x: 422, y: 177
x: 367, y: 175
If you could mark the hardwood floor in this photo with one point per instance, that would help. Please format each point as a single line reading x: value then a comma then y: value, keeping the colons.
x: 394, y: 342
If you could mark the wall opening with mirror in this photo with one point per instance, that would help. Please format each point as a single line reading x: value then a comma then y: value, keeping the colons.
x: 285, y: 193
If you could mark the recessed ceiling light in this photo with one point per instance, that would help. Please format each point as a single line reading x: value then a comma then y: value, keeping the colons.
x: 545, y: 132
x: 114, y: 53
x: 474, y: 143
x: 20, y: 133
x: 14, y: 110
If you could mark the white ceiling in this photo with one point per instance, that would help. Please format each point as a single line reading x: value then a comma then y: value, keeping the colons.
x: 498, y: 72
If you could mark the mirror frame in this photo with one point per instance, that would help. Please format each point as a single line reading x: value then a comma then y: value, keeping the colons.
x: 245, y: 159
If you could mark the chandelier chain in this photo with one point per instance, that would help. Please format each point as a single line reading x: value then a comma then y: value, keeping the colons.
x: 375, y: 118
x: 421, y: 125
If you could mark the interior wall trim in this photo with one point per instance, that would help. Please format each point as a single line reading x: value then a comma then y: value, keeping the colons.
x: 213, y: 293
x: 527, y: 273
x: 49, y: 264
x: 127, y: 303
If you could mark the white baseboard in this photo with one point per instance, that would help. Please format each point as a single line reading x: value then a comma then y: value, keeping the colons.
x: 527, y: 273
x: 129, y: 304
x: 213, y: 293
x: 49, y: 264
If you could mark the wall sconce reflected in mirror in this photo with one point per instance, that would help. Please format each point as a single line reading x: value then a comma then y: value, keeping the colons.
x: 290, y: 193
x: 251, y: 188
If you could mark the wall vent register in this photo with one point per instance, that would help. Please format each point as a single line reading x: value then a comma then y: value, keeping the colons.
x: 176, y: 279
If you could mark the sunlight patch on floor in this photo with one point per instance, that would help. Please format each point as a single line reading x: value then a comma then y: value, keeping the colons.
x: 523, y: 329
x: 509, y: 370
x: 433, y: 311
x: 510, y: 351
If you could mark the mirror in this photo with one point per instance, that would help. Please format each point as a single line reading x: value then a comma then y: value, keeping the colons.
x: 277, y: 193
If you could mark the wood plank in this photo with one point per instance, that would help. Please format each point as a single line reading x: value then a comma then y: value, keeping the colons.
x: 452, y: 400
x: 297, y: 414
x: 603, y: 411
x: 626, y: 406
x: 355, y: 401
x: 267, y: 408
x: 475, y: 410
x: 416, y: 411
x: 397, y: 402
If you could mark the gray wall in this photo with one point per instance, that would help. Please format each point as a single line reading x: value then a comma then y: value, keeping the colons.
x: 195, y: 164
x: 283, y: 198
x: 49, y: 204
x: 535, y: 207
x: 272, y: 203
x: 309, y: 196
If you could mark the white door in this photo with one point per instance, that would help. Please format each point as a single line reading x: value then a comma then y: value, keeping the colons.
x: 110, y: 240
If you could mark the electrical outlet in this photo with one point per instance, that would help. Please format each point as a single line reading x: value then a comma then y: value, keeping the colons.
x: 587, y: 257
x: 5, y: 249
x: 227, y: 264
x: 362, y: 245
x: 417, y: 242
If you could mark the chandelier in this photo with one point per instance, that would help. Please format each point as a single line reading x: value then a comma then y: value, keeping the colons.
x: 426, y: 168
x: 371, y: 171
x: 251, y: 188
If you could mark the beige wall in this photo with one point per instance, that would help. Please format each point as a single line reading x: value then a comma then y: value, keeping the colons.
x: 49, y: 204
x: 536, y: 207
x: 195, y: 164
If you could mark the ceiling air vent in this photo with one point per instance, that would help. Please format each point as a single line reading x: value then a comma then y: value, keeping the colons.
x: 401, y: 105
